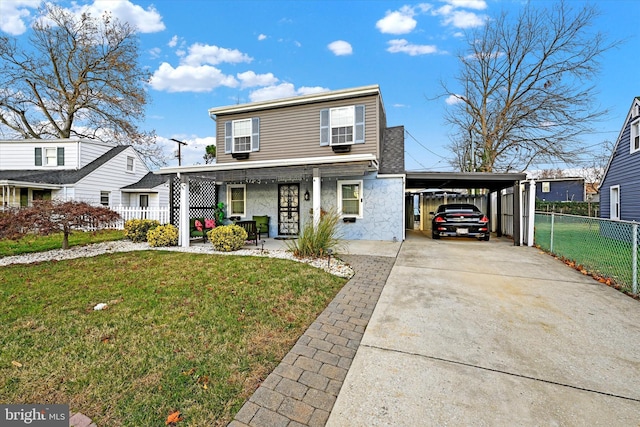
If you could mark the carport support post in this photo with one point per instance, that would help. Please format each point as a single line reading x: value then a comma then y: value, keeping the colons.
x: 316, y: 196
x: 517, y: 214
x: 184, y: 211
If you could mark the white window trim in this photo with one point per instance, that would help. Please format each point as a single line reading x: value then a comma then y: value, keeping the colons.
x: 108, y: 194
x: 634, y: 125
x: 352, y: 109
x: 45, y: 157
x: 133, y: 165
x: 546, y: 187
x: 234, y: 136
x: 244, y: 207
x: 361, y: 202
x: 613, y: 202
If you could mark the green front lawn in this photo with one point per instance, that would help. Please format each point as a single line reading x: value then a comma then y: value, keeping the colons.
x: 34, y: 243
x: 190, y: 332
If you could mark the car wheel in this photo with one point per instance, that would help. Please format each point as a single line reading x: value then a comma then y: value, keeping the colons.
x: 486, y: 238
x: 435, y: 236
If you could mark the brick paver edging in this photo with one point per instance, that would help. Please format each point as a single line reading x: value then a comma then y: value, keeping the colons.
x: 302, y: 389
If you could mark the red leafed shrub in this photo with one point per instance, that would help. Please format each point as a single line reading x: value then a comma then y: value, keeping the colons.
x: 48, y: 217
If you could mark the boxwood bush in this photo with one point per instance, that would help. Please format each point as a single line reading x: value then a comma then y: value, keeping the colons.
x: 227, y: 238
x: 136, y: 229
x: 163, y: 235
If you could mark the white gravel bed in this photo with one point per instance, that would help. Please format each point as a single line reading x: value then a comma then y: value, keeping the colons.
x: 336, y: 267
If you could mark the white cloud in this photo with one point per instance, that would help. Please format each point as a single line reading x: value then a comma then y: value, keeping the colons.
x: 403, y: 46
x: 468, y: 4
x: 453, y: 99
x: 283, y: 90
x: 262, y: 37
x: 251, y: 79
x: 145, y: 20
x: 14, y: 13
x: 173, y: 42
x: 398, y: 22
x: 340, y: 48
x: 155, y: 52
x: 199, y: 54
x: 464, y: 19
x: 187, y: 78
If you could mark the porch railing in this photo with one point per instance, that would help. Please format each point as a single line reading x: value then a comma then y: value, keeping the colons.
x: 160, y: 214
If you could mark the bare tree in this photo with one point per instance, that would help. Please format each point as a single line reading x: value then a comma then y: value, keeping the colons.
x: 78, y: 76
x: 525, y: 94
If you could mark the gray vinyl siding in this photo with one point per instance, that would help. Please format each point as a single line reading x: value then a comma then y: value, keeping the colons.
x: 21, y: 155
x: 294, y: 131
x: 624, y: 170
x: 111, y: 176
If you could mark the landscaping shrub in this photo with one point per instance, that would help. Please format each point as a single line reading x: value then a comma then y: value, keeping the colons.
x: 316, y: 241
x: 163, y: 235
x: 227, y: 238
x: 136, y: 229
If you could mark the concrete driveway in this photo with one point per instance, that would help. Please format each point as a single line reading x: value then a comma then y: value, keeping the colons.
x: 486, y: 333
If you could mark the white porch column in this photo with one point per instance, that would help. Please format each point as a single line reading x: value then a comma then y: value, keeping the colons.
x: 317, y: 201
x: 532, y: 212
x: 184, y: 211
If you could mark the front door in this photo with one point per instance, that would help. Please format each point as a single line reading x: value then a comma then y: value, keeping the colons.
x: 288, y: 209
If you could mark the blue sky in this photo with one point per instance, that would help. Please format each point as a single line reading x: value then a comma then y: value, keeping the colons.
x: 205, y: 54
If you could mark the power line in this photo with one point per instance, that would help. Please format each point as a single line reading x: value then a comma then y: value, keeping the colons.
x: 422, y: 145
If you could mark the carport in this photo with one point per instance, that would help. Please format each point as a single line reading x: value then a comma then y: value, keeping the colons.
x: 492, y: 182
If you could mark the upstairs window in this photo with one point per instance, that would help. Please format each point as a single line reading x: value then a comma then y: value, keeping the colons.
x: 545, y: 187
x: 635, y: 136
x: 49, y: 156
x: 242, y: 136
x: 342, y: 125
x: 130, y: 164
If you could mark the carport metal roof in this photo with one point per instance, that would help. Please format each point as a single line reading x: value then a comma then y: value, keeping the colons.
x: 453, y: 180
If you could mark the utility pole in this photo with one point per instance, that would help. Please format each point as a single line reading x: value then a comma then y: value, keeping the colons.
x: 180, y: 144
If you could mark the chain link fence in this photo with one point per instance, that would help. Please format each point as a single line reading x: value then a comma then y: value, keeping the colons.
x: 606, y: 249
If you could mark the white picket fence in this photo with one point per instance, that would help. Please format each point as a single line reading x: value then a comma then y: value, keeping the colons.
x: 160, y: 214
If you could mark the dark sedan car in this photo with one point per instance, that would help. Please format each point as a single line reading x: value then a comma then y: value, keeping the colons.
x: 459, y: 220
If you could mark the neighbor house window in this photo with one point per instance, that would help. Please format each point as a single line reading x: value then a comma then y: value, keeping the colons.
x: 237, y: 200
x: 242, y: 136
x: 50, y: 156
x: 130, y: 164
x: 104, y: 198
x: 545, y: 187
x: 350, y: 198
x: 614, y: 202
x: 342, y: 125
x: 635, y: 136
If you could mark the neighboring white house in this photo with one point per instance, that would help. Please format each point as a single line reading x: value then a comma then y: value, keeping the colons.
x: 72, y: 169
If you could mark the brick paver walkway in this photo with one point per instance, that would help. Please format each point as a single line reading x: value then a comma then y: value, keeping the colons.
x: 301, y: 390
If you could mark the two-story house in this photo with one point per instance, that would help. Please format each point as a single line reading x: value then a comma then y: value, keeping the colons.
x: 620, y: 189
x: 72, y: 169
x: 292, y: 158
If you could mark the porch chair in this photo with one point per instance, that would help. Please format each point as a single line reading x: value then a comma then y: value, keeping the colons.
x: 262, y: 222
x: 251, y: 229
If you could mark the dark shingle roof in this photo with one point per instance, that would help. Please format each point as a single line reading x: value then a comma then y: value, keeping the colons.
x: 392, y: 156
x: 150, y: 180
x: 62, y: 176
